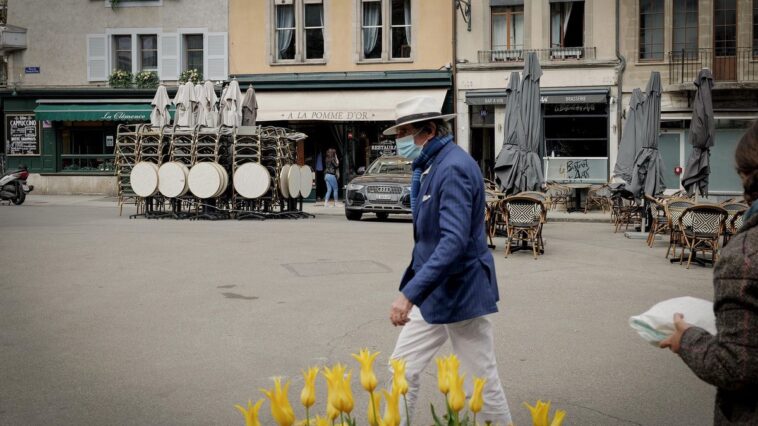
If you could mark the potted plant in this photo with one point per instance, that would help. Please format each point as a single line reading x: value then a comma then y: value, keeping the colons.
x: 120, y: 79
x: 146, y: 80
x: 192, y: 75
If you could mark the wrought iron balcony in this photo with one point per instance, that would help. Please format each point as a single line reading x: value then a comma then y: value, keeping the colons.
x: 738, y: 65
x: 556, y: 54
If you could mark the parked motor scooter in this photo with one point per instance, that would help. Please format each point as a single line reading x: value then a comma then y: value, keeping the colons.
x: 13, y: 186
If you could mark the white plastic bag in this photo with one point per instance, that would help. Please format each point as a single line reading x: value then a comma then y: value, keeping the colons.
x: 657, y: 323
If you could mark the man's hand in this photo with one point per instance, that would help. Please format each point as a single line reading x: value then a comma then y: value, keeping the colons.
x: 675, y: 340
x: 400, y: 309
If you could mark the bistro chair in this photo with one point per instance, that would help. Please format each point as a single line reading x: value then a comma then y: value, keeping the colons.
x: 733, y: 225
x: 492, y: 195
x: 558, y: 194
x: 524, y: 217
x: 598, y: 196
x: 626, y: 211
x: 732, y: 208
x: 534, y: 194
x: 659, y: 225
x: 674, y: 209
x: 702, y: 226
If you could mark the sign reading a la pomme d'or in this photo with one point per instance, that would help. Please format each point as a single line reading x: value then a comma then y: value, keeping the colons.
x: 330, y: 115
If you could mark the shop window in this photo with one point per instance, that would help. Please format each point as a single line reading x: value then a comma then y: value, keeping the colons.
x: 386, y: 29
x: 576, y: 130
x: 122, y: 52
x: 507, y: 33
x: 193, y: 52
x: 87, y: 149
x: 298, y: 31
x: 148, y: 52
x: 566, y: 28
x: 685, y: 29
x: 651, y: 29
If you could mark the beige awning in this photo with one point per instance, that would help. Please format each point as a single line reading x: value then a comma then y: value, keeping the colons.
x: 337, y: 105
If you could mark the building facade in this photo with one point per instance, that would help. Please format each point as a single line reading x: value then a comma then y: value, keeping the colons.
x: 60, y: 112
x: 336, y: 69
x: 678, y: 38
x: 575, y: 42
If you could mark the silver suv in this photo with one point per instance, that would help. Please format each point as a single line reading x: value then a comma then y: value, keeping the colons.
x: 385, y: 188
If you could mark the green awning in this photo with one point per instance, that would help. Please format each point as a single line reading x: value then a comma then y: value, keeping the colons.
x: 93, y: 112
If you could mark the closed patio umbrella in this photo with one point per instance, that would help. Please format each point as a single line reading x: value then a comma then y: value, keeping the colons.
x: 530, y: 132
x: 702, y: 132
x: 210, y: 104
x: 159, y: 116
x: 630, y: 143
x: 231, y: 112
x: 185, y: 102
x: 508, y: 161
x: 647, y: 176
x: 249, y: 107
x: 199, y: 110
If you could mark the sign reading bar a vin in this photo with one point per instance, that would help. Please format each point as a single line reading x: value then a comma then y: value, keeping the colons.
x: 21, y: 134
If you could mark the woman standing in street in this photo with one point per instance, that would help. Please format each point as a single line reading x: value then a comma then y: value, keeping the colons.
x: 729, y: 360
x: 331, y: 166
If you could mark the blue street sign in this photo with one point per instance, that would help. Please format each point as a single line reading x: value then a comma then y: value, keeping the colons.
x: 31, y: 70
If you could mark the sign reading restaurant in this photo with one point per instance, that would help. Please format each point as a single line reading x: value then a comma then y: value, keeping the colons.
x: 21, y: 134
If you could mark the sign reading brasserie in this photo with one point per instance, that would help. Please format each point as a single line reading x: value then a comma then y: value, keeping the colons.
x: 21, y: 134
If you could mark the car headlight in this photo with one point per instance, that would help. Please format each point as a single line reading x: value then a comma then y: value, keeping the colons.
x: 354, y: 187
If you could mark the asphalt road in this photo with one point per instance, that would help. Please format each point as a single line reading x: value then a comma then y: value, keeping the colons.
x: 107, y: 320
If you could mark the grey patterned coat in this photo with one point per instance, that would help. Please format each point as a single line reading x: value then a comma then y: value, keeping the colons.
x: 729, y: 360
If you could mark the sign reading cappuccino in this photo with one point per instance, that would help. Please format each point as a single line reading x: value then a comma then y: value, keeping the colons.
x: 21, y: 134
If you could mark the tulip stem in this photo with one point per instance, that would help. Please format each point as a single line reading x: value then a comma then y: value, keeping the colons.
x: 373, y: 408
x: 407, y: 415
x: 474, y: 419
x: 342, y: 418
x: 307, y: 417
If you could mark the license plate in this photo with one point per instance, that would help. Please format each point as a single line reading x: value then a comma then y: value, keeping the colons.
x: 383, y: 196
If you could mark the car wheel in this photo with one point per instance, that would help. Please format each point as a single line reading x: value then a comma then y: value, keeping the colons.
x: 382, y: 216
x: 353, y: 215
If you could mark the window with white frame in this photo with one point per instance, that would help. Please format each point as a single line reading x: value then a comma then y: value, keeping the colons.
x: 386, y: 28
x: 298, y: 31
x: 148, y: 52
x: 168, y: 54
x: 193, y: 52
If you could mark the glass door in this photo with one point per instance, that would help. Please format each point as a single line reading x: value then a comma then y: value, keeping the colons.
x: 670, y: 146
x: 725, y: 40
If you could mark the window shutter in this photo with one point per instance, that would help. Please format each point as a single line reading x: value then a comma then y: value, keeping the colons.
x: 168, y: 64
x: 216, y: 56
x: 97, y: 57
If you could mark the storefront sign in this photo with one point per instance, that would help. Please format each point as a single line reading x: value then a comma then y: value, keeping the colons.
x: 122, y: 116
x: 21, y: 134
x: 383, y: 147
x: 31, y: 70
x: 330, y: 115
x: 575, y: 108
x: 563, y: 169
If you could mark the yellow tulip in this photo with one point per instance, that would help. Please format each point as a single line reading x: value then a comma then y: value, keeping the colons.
x: 398, y: 377
x: 558, y: 418
x: 443, y: 380
x: 333, y: 384
x: 281, y: 410
x: 368, y: 378
x: 320, y: 421
x: 476, y: 402
x: 345, y: 401
x: 392, y: 410
x: 251, y: 413
x: 539, y: 413
x: 453, y: 364
x: 456, y: 398
x: 374, y: 403
x: 308, y: 394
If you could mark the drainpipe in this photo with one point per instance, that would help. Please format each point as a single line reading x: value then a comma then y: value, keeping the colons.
x: 454, y: 68
x: 619, y: 79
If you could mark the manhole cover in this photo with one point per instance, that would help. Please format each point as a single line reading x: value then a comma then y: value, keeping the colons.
x: 313, y: 269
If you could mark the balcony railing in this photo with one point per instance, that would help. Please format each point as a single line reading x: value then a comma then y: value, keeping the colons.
x: 556, y: 54
x: 727, y: 64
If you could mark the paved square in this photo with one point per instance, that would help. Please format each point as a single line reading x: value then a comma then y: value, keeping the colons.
x: 107, y: 320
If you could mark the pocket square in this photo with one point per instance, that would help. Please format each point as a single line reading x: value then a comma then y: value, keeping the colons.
x: 425, y: 197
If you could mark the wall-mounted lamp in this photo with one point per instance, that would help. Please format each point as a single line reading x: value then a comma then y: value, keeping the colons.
x: 465, y: 7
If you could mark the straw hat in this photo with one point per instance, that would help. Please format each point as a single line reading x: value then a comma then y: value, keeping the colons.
x: 413, y: 110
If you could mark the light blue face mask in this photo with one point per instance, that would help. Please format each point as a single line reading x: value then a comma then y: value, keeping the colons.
x: 407, y: 148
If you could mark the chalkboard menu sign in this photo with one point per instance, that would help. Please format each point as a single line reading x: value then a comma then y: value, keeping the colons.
x: 21, y: 134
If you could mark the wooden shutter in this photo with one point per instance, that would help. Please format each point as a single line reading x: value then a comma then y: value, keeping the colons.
x: 216, y: 56
x: 168, y: 56
x: 97, y: 57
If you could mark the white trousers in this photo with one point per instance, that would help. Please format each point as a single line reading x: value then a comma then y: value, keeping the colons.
x: 473, y: 344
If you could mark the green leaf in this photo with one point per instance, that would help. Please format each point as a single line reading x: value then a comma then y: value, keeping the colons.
x: 437, y: 421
